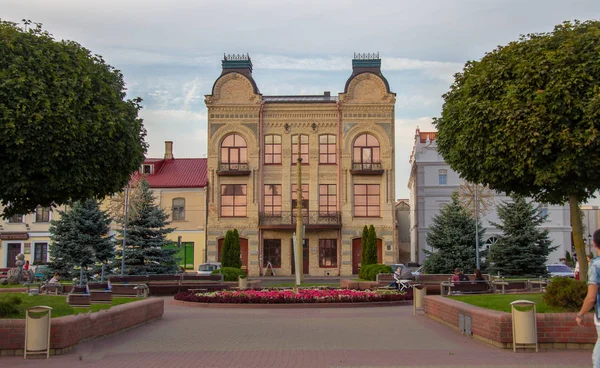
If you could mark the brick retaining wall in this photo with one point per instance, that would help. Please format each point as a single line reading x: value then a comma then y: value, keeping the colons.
x: 555, y: 330
x: 68, y: 331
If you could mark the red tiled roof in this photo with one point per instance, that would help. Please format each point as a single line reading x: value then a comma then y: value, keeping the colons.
x: 177, y: 173
x: 423, y: 136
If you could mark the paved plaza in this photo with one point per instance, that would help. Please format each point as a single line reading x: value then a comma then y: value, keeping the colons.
x: 345, y: 337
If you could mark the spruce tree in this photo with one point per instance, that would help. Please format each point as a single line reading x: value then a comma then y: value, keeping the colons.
x: 523, y: 247
x: 363, y: 246
x: 80, y: 238
x: 371, y: 253
x: 145, y: 251
x: 235, y: 250
x: 452, y: 237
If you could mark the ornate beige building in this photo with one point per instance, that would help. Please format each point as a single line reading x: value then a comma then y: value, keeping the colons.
x: 347, y: 151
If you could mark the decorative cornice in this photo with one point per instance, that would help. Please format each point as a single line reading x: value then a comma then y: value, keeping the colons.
x: 299, y: 115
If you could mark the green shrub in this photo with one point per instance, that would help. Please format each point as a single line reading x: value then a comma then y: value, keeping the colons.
x: 565, y: 292
x: 8, y: 305
x: 369, y: 272
x: 230, y: 273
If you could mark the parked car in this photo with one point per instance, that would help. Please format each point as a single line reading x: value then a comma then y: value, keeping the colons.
x: 208, y: 268
x: 560, y: 270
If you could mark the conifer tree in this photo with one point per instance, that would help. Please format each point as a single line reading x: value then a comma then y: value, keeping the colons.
x: 234, y: 249
x: 80, y: 238
x: 226, y: 250
x: 145, y: 251
x: 371, y: 252
x: 452, y: 237
x: 363, y: 246
x: 523, y: 247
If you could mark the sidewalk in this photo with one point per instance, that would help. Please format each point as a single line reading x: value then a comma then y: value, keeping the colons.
x: 345, y: 337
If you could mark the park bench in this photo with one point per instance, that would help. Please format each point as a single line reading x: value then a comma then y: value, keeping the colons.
x: 100, y: 293
x: 51, y: 289
x: 79, y: 297
x: 437, y: 282
x: 385, y: 279
x: 509, y: 286
x: 470, y: 287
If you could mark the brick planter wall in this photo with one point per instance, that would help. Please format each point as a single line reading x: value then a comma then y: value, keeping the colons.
x: 68, y: 331
x: 555, y: 330
x: 356, y: 285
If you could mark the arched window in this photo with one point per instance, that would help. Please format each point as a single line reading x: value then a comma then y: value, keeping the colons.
x: 178, y: 209
x: 272, y: 149
x: 234, y: 151
x: 490, y: 242
x: 365, y: 152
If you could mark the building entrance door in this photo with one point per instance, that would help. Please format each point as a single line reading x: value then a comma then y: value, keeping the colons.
x: 357, y: 254
x: 12, y: 250
x: 305, y: 258
x: 243, y: 252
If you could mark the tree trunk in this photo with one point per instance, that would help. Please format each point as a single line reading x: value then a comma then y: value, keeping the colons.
x: 578, y: 237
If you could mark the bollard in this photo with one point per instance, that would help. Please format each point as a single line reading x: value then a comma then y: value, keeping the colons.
x: 37, y: 331
x: 419, y: 292
x: 524, y: 326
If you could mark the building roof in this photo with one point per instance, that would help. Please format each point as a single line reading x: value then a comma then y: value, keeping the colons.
x: 423, y: 136
x: 177, y: 173
x: 300, y: 99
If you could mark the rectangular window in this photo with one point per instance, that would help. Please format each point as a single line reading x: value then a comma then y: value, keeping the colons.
x: 42, y: 214
x: 543, y: 209
x: 40, y: 253
x: 272, y: 149
x: 366, y: 200
x: 303, y: 148
x: 327, y: 253
x: 443, y: 177
x: 178, y: 208
x: 233, y: 200
x: 327, y: 149
x: 273, y: 199
x: 147, y: 169
x: 15, y: 218
x: 304, y: 199
x: 272, y: 252
x: 327, y: 199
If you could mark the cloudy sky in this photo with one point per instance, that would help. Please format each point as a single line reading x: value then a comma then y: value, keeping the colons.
x: 170, y: 51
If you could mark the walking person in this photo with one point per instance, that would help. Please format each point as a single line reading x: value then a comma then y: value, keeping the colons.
x: 592, y: 299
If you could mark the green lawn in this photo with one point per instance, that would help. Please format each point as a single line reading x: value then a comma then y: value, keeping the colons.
x: 59, y: 304
x: 501, y: 302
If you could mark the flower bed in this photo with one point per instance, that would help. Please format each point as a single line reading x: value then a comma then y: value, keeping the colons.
x: 267, y: 296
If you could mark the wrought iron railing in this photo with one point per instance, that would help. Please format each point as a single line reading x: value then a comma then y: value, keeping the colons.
x: 366, y: 166
x: 308, y: 218
x: 233, y: 167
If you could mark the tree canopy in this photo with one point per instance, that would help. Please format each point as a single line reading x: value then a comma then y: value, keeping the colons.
x: 525, y: 118
x: 523, y: 247
x: 66, y: 130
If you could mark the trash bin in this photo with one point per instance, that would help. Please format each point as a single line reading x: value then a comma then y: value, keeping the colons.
x: 242, y: 283
x: 419, y: 292
x: 37, y: 330
x: 524, y: 326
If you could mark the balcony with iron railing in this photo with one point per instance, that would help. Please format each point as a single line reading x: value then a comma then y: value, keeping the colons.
x: 233, y: 169
x: 310, y: 219
x: 366, y: 168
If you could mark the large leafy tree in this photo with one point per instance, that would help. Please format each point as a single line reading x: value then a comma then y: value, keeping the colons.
x: 66, y: 130
x: 525, y: 119
x: 523, y: 247
x: 80, y: 238
x: 452, y: 237
x: 146, y: 247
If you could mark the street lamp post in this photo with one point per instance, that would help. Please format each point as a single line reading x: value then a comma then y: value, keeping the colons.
x: 125, y: 230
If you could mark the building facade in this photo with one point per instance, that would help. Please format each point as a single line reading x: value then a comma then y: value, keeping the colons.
x: 28, y: 234
x: 179, y: 186
x: 431, y: 185
x: 347, y: 179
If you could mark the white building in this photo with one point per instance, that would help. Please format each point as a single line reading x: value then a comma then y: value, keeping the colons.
x: 431, y: 185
